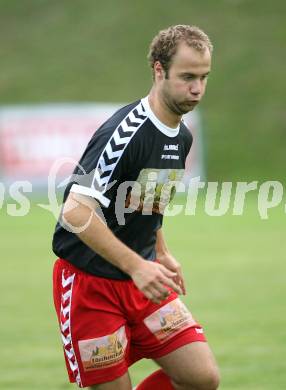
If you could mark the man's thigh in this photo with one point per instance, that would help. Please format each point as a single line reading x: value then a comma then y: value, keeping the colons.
x: 192, y: 364
x: 95, y: 335
x: 121, y: 383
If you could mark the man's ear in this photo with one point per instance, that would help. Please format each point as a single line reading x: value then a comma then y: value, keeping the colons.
x: 159, y: 72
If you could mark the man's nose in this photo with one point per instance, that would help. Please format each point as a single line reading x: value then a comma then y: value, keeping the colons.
x: 196, y: 87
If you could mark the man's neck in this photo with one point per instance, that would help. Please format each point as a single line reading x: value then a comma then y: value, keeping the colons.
x: 161, y: 110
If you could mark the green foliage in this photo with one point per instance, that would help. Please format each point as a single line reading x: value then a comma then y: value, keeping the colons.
x: 96, y: 51
x: 235, y: 277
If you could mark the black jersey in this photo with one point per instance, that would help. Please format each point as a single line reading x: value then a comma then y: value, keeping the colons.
x: 130, y: 167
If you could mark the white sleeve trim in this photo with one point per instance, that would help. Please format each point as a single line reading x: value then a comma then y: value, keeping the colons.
x: 90, y: 192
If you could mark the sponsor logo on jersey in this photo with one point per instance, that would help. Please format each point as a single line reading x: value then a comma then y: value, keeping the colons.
x: 154, y: 190
x: 169, y: 157
x: 171, y: 147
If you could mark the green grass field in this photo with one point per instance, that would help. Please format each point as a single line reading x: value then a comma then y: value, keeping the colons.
x: 235, y: 273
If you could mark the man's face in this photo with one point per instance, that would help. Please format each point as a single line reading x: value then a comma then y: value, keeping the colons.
x: 187, y: 79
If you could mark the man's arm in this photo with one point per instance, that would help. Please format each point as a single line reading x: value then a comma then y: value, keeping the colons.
x: 148, y: 276
x: 164, y: 256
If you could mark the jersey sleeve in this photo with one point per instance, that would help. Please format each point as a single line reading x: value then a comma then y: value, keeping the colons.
x: 108, y: 159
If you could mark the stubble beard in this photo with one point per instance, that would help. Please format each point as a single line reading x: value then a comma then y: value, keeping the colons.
x: 173, y: 106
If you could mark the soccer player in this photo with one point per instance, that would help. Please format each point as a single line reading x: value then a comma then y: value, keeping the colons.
x: 116, y: 285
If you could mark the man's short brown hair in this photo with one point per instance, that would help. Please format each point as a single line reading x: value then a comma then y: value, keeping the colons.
x: 165, y: 43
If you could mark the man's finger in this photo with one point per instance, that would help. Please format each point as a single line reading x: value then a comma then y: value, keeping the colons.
x: 173, y: 285
x: 183, y: 286
x: 157, y: 297
x: 147, y: 294
x: 160, y: 288
x: 167, y: 272
x: 182, y: 283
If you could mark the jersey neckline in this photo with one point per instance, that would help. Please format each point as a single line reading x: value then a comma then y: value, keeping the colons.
x: 169, y: 131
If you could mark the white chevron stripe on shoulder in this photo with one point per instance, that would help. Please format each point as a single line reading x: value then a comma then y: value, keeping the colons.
x: 127, y: 128
x: 104, y: 166
x: 141, y: 109
x: 116, y: 145
x: 134, y: 119
x: 117, y: 139
x: 110, y: 153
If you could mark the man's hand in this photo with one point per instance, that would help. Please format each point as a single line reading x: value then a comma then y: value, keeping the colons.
x: 173, y: 265
x: 151, y: 278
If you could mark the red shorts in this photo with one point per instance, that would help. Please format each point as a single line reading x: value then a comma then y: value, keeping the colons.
x: 107, y: 325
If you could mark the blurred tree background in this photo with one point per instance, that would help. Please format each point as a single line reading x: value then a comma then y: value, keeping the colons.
x: 71, y: 50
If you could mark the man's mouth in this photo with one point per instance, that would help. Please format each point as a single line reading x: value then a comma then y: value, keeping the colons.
x: 192, y: 102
